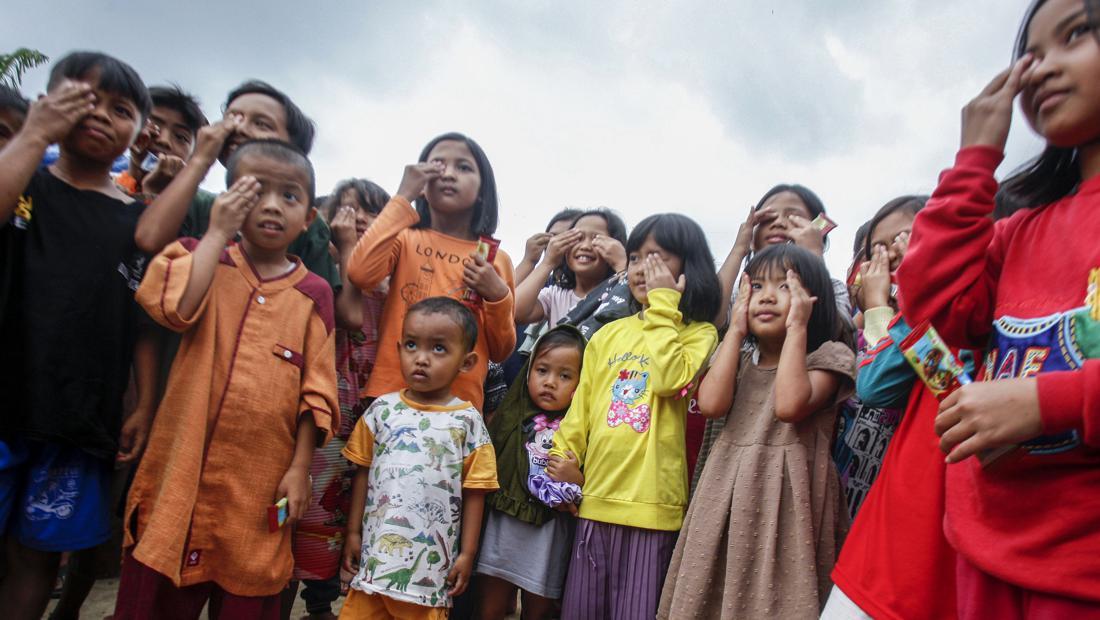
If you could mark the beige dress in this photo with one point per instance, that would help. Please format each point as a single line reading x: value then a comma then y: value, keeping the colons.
x: 765, y: 524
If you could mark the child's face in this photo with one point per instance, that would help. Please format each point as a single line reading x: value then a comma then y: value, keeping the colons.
x: 886, y: 234
x: 1061, y: 94
x: 774, y: 230
x: 363, y: 218
x: 635, y: 270
x: 11, y: 121
x: 171, y: 135
x: 583, y: 258
x: 282, y: 211
x: 553, y: 377
x: 263, y: 118
x: 108, y: 130
x: 432, y: 353
x: 768, y: 306
x: 456, y: 190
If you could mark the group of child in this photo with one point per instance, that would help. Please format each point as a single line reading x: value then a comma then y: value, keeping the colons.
x: 305, y: 379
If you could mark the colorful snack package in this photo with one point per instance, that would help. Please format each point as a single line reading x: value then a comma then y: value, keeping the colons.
x: 487, y: 249
x: 277, y: 515
x: 941, y: 372
x: 1092, y: 300
x: 150, y: 162
x: 823, y: 223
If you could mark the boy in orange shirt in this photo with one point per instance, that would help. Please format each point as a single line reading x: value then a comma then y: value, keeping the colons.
x: 251, y: 391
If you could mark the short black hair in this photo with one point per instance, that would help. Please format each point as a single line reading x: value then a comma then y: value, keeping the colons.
x: 298, y: 126
x: 682, y: 236
x: 911, y: 204
x: 825, y: 323
x: 567, y: 214
x: 484, y: 221
x: 370, y: 195
x: 805, y: 194
x: 562, y: 275
x: 275, y: 149
x: 175, y: 98
x: 115, y: 77
x: 12, y: 99
x: 452, y: 309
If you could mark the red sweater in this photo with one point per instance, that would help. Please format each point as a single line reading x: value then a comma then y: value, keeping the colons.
x: 1012, y: 288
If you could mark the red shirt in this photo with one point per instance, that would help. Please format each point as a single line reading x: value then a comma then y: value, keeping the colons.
x: 1013, y: 288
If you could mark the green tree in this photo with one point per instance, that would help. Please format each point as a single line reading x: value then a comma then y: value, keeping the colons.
x: 15, y: 64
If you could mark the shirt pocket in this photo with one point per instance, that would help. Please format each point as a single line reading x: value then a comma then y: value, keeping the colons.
x: 289, y: 355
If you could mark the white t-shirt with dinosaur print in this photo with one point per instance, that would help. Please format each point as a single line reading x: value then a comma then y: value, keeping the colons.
x: 420, y: 457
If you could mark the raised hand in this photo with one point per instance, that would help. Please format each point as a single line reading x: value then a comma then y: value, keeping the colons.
x: 739, y: 315
x: 535, y: 246
x: 657, y: 275
x: 987, y: 118
x: 54, y: 115
x: 875, y: 274
x: 168, y: 166
x: 344, y: 236
x: 416, y: 179
x: 611, y: 251
x: 805, y: 235
x: 561, y: 244
x: 211, y: 139
x: 802, y: 304
x: 232, y: 207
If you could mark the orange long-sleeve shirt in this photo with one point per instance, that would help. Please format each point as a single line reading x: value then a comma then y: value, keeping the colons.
x: 425, y: 263
x: 256, y: 356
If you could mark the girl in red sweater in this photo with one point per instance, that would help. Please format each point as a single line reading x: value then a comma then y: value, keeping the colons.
x: 1027, y: 528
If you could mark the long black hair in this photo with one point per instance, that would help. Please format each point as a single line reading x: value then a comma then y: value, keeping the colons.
x: 484, y: 220
x: 562, y: 275
x: 1056, y: 172
x: 824, y: 324
x: 682, y: 236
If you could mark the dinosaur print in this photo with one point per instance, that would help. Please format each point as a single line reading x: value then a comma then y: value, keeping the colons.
x: 400, y: 578
x: 393, y: 543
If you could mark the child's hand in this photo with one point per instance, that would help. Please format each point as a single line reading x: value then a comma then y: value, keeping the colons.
x: 739, y: 316
x: 134, y: 435
x: 988, y: 414
x: 416, y: 179
x: 168, y: 166
x: 987, y: 118
x: 295, y: 487
x: 565, y: 470
x: 232, y: 207
x: 353, y: 550
x: 561, y: 244
x: 54, y: 115
x: 459, y: 576
x: 802, y: 304
x: 536, y: 244
x: 742, y: 244
x: 343, y: 228
x: 611, y: 251
x: 805, y: 235
x: 874, y: 291
x: 658, y: 276
x: 211, y: 139
x: 479, y: 275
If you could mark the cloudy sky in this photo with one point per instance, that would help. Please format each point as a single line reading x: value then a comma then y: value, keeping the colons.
x: 641, y: 106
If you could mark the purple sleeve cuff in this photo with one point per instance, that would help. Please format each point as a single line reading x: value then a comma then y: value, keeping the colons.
x: 553, y: 493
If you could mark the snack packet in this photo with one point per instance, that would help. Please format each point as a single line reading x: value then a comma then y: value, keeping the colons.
x: 823, y: 223
x: 277, y: 515
x: 487, y: 249
x: 149, y: 162
x: 941, y: 372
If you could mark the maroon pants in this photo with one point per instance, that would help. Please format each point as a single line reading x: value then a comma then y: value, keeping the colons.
x: 984, y: 597
x: 143, y: 593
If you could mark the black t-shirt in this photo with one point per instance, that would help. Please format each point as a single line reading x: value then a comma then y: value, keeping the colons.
x: 67, y: 314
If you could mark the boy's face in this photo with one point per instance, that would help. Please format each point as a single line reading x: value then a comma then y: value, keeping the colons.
x: 432, y: 353
x: 172, y: 136
x: 11, y: 121
x: 282, y: 211
x: 262, y: 118
x: 108, y: 129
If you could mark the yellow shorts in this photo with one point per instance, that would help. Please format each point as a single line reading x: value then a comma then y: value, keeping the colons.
x: 362, y: 606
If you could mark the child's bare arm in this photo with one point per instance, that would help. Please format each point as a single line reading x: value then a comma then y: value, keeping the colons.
x: 717, y: 390
x: 135, y: 430
x: 798, y: 391
x: 353, y: 539
x: 473, y: 507
x: 49, y: 120
x: 160, y: 222
x: 295, y: 485
x: 230, y: 210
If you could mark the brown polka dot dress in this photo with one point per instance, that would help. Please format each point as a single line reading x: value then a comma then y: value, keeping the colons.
x: 765, y: 524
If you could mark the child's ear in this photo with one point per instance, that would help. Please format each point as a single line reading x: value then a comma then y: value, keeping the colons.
x: 310, y: 216
x: 469, y: 361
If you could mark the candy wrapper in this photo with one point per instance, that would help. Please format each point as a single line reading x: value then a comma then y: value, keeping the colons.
x: 487, y: 249
x: 1092, y: 300
x: 823, y: 223
x: 941, y: 372
x: 277, y: 515
x: 149, y: 162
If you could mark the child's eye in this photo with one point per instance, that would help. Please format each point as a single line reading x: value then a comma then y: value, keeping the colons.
x: 633, y: 258
x: 466, y: 168
x: 410, y: 345
x: 1078, y: 31
x: 755, y: 286
x: 183, y: 138
x: 291, y: 196
x: 123, y: 111
x: 439, y: 348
